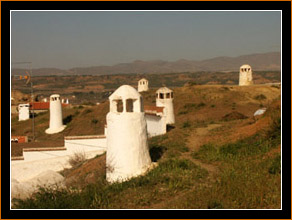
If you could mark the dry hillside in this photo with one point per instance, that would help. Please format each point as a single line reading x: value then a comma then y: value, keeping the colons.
x: 215, y: 156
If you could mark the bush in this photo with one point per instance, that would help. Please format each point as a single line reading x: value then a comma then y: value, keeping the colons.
x: 86, y: 111
x: 77, y: 159
x: 94, y: 121
x: 275, y: 168
x: 214, y: 204
x: 186, y: 124
x: 260, y: 97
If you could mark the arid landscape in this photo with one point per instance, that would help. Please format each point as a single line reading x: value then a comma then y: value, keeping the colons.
x: 216, y: 156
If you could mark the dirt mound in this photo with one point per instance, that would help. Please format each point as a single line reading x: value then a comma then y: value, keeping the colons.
x: 88, y: 172
x: 233, y: 116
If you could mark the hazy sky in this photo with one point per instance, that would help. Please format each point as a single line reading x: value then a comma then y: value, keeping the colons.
x: 71, y: 39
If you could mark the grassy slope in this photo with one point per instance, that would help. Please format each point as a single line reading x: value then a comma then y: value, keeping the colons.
x: 204, y: 162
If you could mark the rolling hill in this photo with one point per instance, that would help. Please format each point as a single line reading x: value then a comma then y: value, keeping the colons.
x: 260, y: 61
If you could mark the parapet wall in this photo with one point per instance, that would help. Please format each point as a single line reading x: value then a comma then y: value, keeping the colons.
x: 94, y: 141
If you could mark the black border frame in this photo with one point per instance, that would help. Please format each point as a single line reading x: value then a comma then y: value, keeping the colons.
x: 285, y: 6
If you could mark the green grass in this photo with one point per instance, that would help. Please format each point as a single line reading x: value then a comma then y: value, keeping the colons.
x: 275, y: 167
x: 245, y: 177
x: 254, y: 145
x: 171, y: 177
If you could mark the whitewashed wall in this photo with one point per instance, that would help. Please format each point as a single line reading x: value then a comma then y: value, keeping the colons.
x: 94, y: 141
x: 23, y: 112
x: 156, y: 125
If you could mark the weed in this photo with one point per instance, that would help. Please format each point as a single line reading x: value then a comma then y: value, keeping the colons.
x: 190, y: 106
x: 207, y: 152
x: 276, y: 86
x: 260, y: 97
x: 87, y: 111
x: 94, y: 121
x: 225, y: 88
x: 76, y: 113
x: 171, y: 175
x: 275, y: 168
x: 77, y: 159
x: 186, y: 124
x: 214, y: 204
x: 182, y: 112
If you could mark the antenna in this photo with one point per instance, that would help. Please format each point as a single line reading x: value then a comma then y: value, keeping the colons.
x: 28, y: 80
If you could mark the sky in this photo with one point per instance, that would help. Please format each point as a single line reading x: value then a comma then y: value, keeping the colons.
x: 82, y: 38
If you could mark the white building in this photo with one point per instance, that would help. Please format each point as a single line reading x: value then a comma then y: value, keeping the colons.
x: 127, y: 147
x: 164, y: 98
x: 156, y: 120
x: 245, y: 75
x: 56, y: 119
x: 143, y: 85
x: 23, y: 112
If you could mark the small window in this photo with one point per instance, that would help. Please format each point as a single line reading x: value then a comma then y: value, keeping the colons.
x: 129, y: 105
x: 171, y: 95
x: 167, y: 95
x: 141, y: 105
x: 161, y: 95
x: 120, y: 107
x: 157, y: 95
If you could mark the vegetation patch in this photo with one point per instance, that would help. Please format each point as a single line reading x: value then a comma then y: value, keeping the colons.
x: 260, y: 97
x: 233, y: 116
x: 190, y: 106
x: 77, y: 159
x: 275, y: 168
x: 167, y: 179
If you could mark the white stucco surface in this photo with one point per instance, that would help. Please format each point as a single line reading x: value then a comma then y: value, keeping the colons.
x: 80, y: 142
x: 56, y: 119
x: 167, y: 103
x: 25, y: 189
x: 156, y: 125
x: 23, y: 112
x: 143, y: 85
x: 36, y: 162
x: 127, y: 147
x: 245, y: 75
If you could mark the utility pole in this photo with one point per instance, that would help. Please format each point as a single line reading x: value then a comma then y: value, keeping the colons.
x: 32, y: 96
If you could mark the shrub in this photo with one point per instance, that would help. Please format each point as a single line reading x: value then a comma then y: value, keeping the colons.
x: 87, y: 111
x: 194, y: 105
x: 275, y: 168
x: 214, y: 204
x: 94, y: 121
x: 77, y: 159
x: 186, y: 124
x: 182, y: 112
x: 260, y: 97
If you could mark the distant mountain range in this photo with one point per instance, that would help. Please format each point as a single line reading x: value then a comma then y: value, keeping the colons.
x: 262, y: 61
